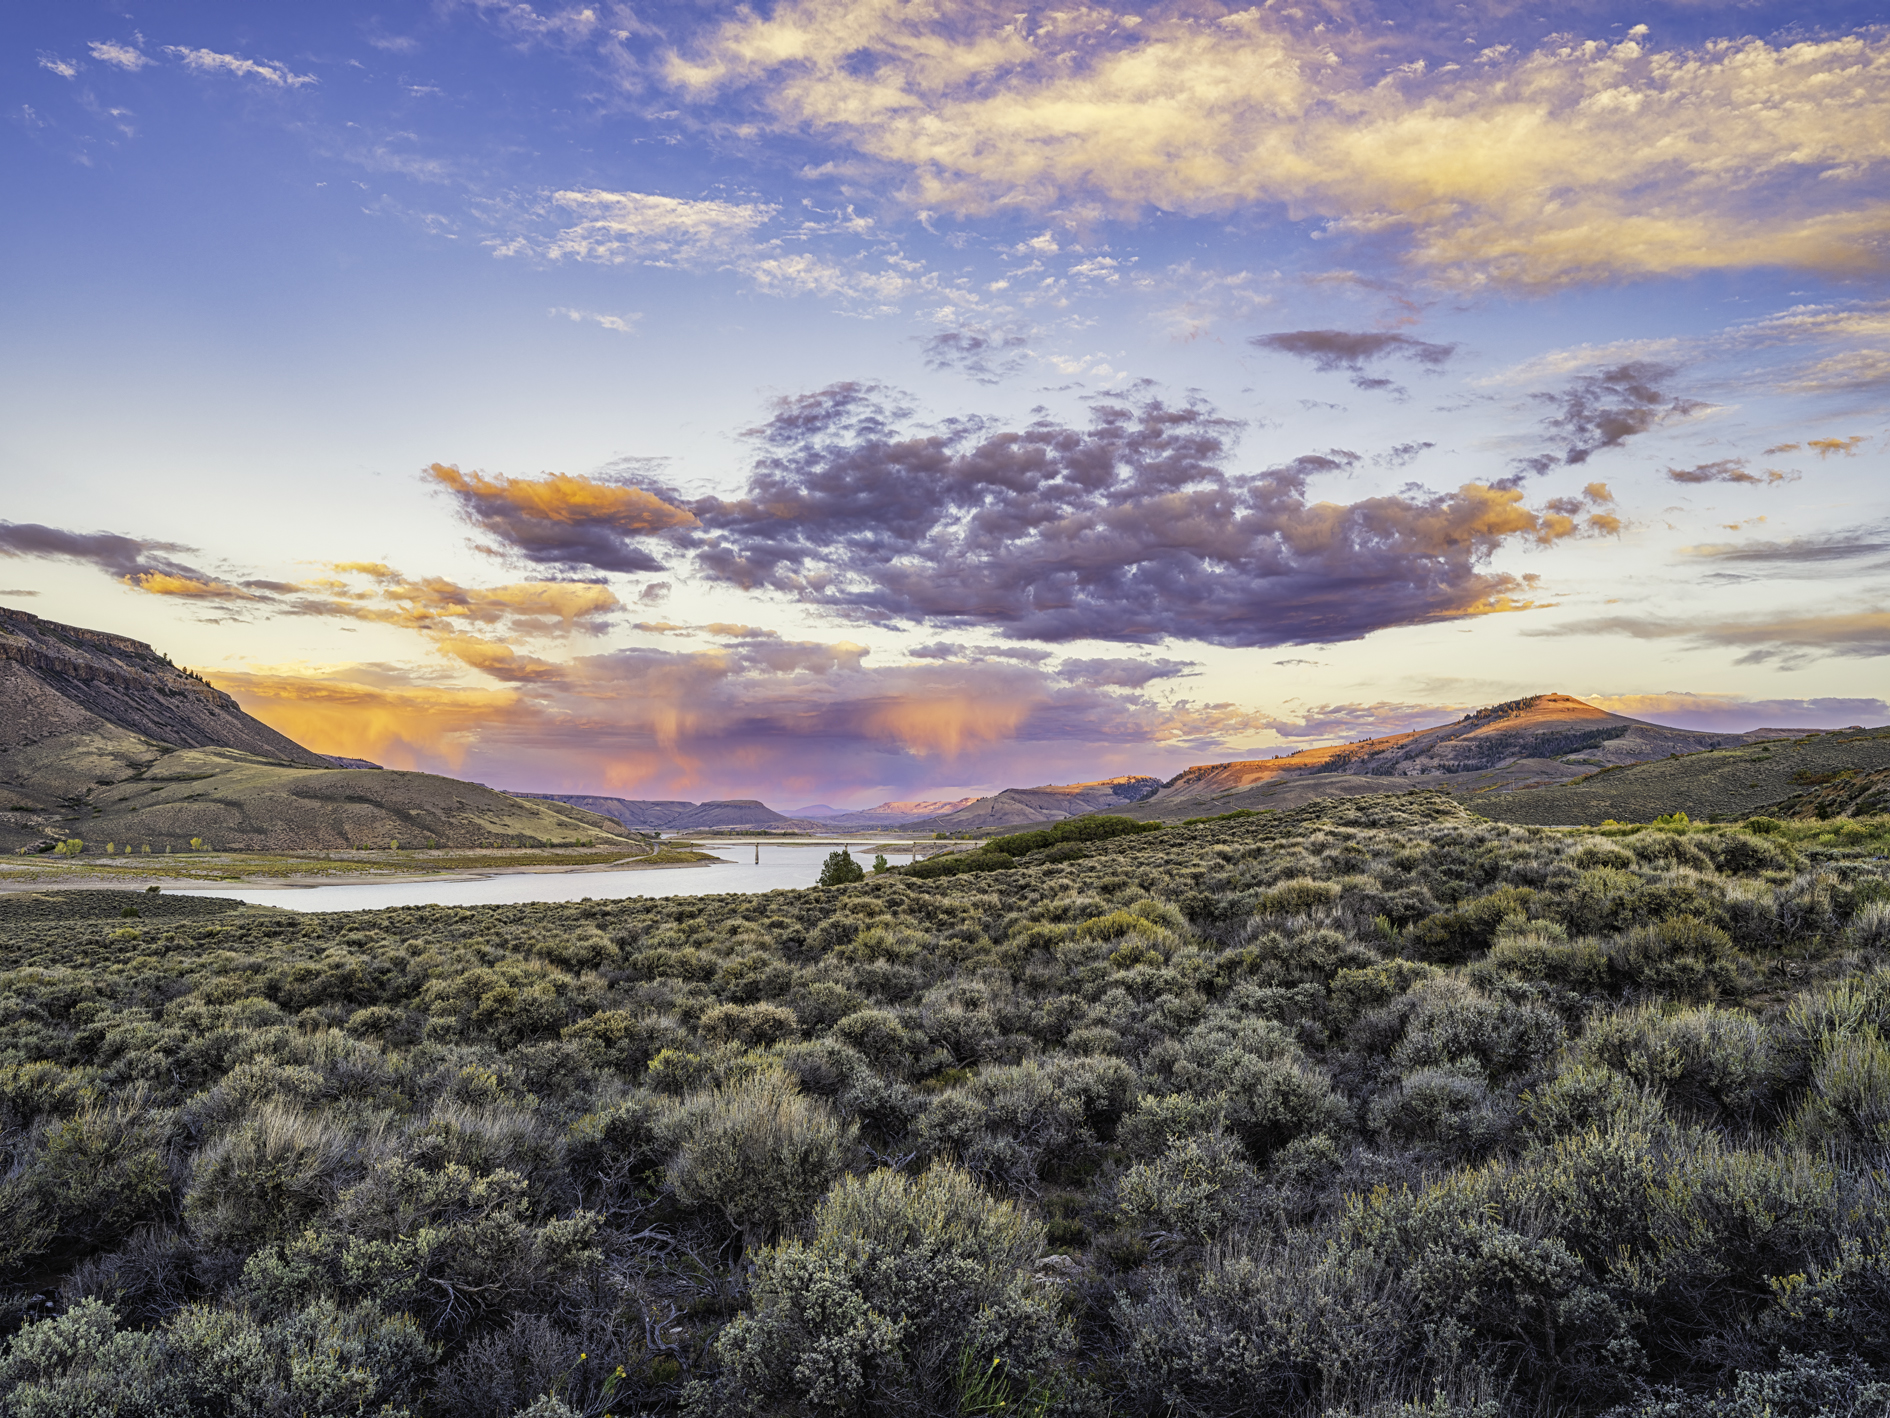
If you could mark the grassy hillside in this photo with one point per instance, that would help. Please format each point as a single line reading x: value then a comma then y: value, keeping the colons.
x: 1371, y: 1108
x: 237, y: 801
x: 1733, y: 782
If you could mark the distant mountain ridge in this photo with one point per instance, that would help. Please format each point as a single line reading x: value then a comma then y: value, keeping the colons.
x: 674, y: 815
x: 1020, y: 807
x: 1538, y: 741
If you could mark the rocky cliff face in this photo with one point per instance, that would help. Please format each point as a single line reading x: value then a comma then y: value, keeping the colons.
x: 63, y: 679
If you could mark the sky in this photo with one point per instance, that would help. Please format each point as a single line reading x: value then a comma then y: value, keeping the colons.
x: 835, y: 401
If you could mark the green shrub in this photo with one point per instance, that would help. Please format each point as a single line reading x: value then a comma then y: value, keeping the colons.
x: 749, y: 1024
x: 898, y: 1280
x: 1199, y: 1187
x: 759, y: 1151
x: 958, y: 864
x: 1096, y: 827
x: 1454, y: 1115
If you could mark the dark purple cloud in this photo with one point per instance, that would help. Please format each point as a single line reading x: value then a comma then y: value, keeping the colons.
x: 1605, y: 409
x: 1353, y: 349
x: 1122, y: 673
x: 127, y: 558
x: 1129, y: 530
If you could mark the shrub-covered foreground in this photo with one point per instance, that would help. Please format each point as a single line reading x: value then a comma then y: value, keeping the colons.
x: 1373, y: 1107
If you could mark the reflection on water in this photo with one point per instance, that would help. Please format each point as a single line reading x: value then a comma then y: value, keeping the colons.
x: 779, y: 867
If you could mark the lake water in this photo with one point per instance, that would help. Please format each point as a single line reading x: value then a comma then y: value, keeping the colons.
x: 780, y: 866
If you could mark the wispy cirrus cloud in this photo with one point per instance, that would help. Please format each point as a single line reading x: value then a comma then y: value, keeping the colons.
x: 209, y: 61
x: 1790, y: 638
x: 713, y: 234
x: 1799, y: 551
x: 120, y: 56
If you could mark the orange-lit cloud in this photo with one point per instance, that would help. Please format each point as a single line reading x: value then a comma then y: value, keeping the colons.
x: 1577, y: 160
x: 1831, y: 447
x: 400, y: 726
x: 559, y: 519
x: 166, y: 583
x: 440, y: 606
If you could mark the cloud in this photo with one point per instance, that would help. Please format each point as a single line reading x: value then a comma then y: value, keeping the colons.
x: 1128, y: 530
x: 1726, y: 470
x: 208, y: 61
x: 622, y: 324
x: 1399, y: 454
x: 122, y: 56
x: 1605, y: 409
x: 561, y: 520
x: 987, y: 356
x: 1834, y: 546
x: 1576, y: 160
x: 64, y: 68
x: 142, y: 564
x: 620, y: 227
x: 439, y: 606
x: 1839, y: 373
x: 1122, y: 673
x: 948, y: 650
x: 1831, y: 447
x: 698, y: 234
x: 1733, y: 713
x: 1346, y: 349
x: 1791, y: 638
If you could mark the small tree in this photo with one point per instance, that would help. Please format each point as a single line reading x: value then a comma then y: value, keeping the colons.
x: 840, y: 869
x: 880, y: 863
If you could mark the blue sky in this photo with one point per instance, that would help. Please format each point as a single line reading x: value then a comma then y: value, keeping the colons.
x: 846, y: 400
